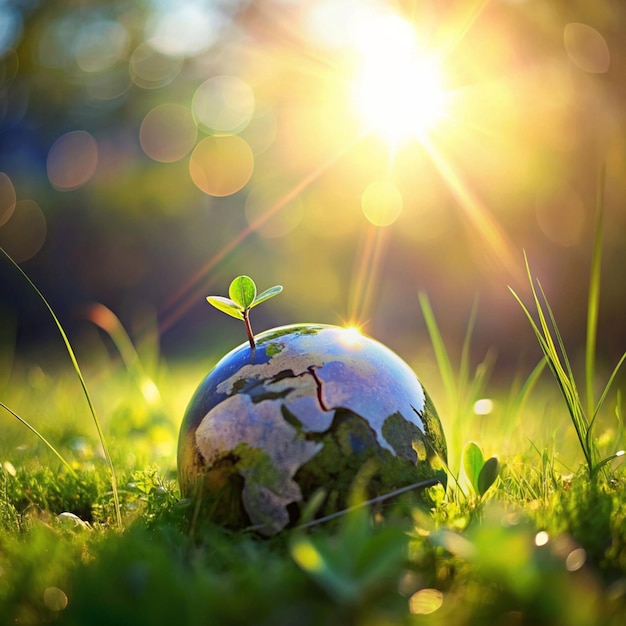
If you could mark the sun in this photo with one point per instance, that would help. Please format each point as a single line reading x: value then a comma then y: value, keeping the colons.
x: 398, y: 90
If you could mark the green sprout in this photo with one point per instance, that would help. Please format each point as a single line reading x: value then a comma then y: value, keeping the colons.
x: 480, y: 473
x: 243, y: 297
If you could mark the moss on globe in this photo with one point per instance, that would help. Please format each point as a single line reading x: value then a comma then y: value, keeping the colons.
x: 308, y: 408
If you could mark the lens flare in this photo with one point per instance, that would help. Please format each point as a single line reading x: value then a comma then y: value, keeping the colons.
x: 351, y: 336
x: 399, y: 89
x: 381, y: 203
x: 72, y: 160
x: 221, y: 166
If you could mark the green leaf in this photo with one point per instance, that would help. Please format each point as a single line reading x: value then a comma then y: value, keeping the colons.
x: 607, y: 460
x: 226, y: 305
x: 242, y: 291
x: 488, y: 475
x: 267, y: 294
x: 473, y: 462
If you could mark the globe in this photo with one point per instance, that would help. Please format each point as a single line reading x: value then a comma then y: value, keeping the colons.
x: 305, y: 412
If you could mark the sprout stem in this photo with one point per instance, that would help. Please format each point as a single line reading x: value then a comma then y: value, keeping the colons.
x: 246, y: 321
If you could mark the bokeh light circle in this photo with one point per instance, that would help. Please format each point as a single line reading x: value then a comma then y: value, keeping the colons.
x: 269, y: 216
x: 7, y: 198
x: 561, y: 217
x: 151, y: 69
x: 25, y: 233
x: 168, y: 133
x: 224, y: 104
x: 184, y: 29
x: 425, y: 601
x: 100, y: 44
x: 221, y: 166
x: 381, y: 203
x: 55, y: 599
x: 261, y: 132
x: 586, y: 48
x: 11, y: 27
x: 72, y: 160
x: 109, y: 85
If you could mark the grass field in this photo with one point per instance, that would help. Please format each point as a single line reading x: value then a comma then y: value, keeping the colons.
x: 544, y: 544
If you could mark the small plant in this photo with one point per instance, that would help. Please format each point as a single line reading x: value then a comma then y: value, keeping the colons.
x: 480, y: 473
x: 551, y: 342
x: 549, y: 337
x: 243, y: 296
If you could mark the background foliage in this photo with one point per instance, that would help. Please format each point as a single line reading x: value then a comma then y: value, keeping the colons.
x: 104, y: 103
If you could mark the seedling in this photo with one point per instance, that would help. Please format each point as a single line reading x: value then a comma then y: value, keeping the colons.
x: 243, y: 296
x: 480, y: 473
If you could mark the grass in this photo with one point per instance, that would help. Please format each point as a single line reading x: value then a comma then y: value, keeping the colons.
x: 534, y: 537
x: 81, y: 379
x: 583, y: 415
x: 537, y: 540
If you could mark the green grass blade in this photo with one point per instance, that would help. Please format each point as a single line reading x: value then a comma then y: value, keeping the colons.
x: 568, y: 383
x: 83, y: 384
x: 482, y: 374
x: 564, y: 379
x: 465, y: 351
x: 547, y: 343
x: 545, y: 347
x: 609, y: 384
x: 567, y: 369
x: 106, y: 320
x: 41, y: 437
x: 593, y: 298
x: 520, y: 397
x: 542, y: 342
x: 441, y: 354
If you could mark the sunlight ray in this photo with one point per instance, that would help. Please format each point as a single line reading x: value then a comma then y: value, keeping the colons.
x: 464, y: 26
x: 498, y: 243
x: 189, y: 294
x: 366, y: 273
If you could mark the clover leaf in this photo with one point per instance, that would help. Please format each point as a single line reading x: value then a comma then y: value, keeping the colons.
x: 243, y: 296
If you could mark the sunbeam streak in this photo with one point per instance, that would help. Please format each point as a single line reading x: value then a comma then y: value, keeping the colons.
x: 367, y: 271
x: 499, y: 246
x: 400, y: 92
x: 189, y: 294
